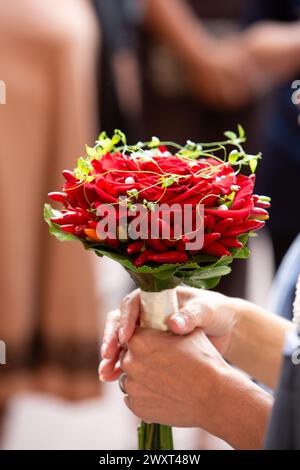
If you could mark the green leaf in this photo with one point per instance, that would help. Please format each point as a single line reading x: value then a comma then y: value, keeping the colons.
x: 230, y: 135
x: 115, y: 139
x: 54, y: 229
x: 243, y: 238
x: 253, y: 165
x: 91, y: 152
x: 133, y: 193
x: 241, y: 131
x: 155, y: 142
x: 125, y: 261
x: 83, y: 169
x: 206, y: 273
x: 119, y: 136
x: 234, y: 156
x: 242, y: 253
x: 203, y: 283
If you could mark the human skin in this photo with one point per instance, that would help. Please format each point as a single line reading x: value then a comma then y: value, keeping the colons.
x: 183, y: 381
x: 165, y: 371
x: 247, y: 335
x: 227, y: 72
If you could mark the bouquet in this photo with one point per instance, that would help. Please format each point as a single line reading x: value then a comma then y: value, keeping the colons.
x: 169, y: 214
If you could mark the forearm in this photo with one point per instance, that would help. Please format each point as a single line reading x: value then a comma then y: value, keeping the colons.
x: 175, y: 24
x: 275, y: 47
x: 244, y: 413
x: 257, y: 341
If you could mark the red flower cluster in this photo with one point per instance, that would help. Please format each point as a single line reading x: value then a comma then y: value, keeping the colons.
x: 157, y: 177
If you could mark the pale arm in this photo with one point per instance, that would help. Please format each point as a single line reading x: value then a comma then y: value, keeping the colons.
x: 257, y: 341
x: 275, y: 47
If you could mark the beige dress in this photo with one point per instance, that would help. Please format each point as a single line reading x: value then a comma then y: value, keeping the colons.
x: 49, y: 307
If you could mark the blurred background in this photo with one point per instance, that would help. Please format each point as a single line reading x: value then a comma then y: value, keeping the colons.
x: 178, y: 69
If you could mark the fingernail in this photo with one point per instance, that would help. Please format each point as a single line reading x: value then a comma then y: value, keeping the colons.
x: 180, y: 321
x: 121, y: 335
x: 102, y: 365
x: 100, y: 368
x: 103, y: 349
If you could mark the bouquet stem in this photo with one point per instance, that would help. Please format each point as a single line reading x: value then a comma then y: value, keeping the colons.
x: 155, y: 437
x: 155, y: 308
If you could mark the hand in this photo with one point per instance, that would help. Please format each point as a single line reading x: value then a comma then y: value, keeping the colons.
x: 275, y: 47
x: 171, y: 379
x: 224, y: 74
x: 211, y: 311
x: 183, y: 381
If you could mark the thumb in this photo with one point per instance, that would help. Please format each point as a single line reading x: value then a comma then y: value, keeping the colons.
x: 185, y: 320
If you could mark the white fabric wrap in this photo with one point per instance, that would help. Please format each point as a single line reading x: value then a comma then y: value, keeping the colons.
x: 156, y: 307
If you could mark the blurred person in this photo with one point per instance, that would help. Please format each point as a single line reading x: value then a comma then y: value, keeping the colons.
x: 278, y: 51
x: 49, y: 306
x: 120, y: 103
x: 199, y: 51
x: 188, y: 51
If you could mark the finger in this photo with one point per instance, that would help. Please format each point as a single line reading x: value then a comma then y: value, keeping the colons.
x: 110, y: 340
x: 130, y: 311
x: 186, y: 320
x: 145, y: 407
x: 112, y: 376
x: 107, y: 367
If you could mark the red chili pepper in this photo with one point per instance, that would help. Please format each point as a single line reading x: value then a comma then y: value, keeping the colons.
x: 210, y: 221
x: 170, y: 243
x: 142, y: 258
x: 59, y: 197
x: 223, y: 225
x: 160, y: 228
x: 168, y: 257
x: 157, y: 245
x: 180, y: 246
x: 210, y: 238
x: 186, y: 238
x: 92, y: 234
x: 263, y: 204
x: 196, y: 189
x: 80, y: 231
x: 70, y: 217
x: 259, y: 213
x: 68, y: 228
x: 135, y: 247
x: 216, y: 249
x: 246, y: 227
x: 93, y: 224
x: 234, y: 214
x: 105, y: 197
x: 259, y: 203
x: 112, y: 242
x: 69, y: 176
x: 237, y: 204
x: 231, y: 243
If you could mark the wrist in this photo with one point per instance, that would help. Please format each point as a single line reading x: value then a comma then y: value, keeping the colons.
x: 237, y: 308
x: 241, y: 410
